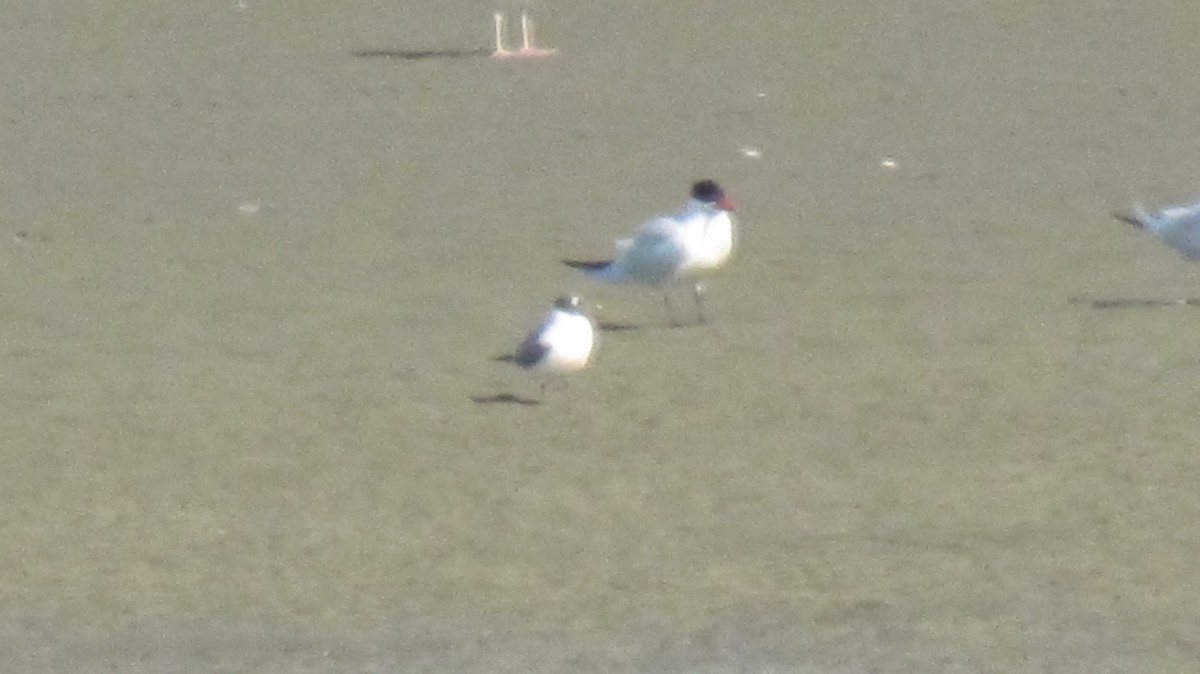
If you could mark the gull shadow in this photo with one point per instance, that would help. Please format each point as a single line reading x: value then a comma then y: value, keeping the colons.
x: 1134, y: 302
x: 503, y: 399
x: 422, y: 54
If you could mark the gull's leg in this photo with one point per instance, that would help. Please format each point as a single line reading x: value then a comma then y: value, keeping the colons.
x: 670, y: 312
x: 552, y: 383
x: 698, y: 292
x: 500, y: 52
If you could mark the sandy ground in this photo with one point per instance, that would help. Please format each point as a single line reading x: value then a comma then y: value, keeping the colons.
x: 251, y: 283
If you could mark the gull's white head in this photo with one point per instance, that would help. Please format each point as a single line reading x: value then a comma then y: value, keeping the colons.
x: 569, y: 303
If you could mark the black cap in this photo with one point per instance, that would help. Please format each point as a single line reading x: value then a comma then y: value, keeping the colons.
x: 707, y: 191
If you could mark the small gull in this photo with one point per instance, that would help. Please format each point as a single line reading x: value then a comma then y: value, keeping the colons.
x: 561, y: 344
x: 683, y: 248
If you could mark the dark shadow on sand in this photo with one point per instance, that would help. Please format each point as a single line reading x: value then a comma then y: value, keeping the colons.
x: 422, y: 54
x: 617, y: 327
x: 1134, y: 302
x: 503, y: 399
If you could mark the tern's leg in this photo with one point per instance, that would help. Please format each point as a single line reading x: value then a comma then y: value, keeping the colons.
x: 527, y: 47
x: 500, y: 52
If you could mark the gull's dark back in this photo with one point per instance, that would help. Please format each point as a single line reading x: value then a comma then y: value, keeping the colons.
x: 532, y: 350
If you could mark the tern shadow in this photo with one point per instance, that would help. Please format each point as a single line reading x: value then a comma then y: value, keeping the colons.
x: 604, y: 326
x: 422, y: 54
x: 503, y: 399
x: 1134, y: 302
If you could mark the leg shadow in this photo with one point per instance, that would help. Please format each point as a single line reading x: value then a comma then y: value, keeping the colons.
x: 605, y: 326
x: 503, y: 399
x: 422, y: 54
x: 1134, y: 302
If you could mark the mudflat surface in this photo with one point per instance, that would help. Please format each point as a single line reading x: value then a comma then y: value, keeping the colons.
x: 255, y: 264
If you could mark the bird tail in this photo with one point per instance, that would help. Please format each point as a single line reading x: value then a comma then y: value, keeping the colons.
x: 620, y: 269
x: 1139, y: 217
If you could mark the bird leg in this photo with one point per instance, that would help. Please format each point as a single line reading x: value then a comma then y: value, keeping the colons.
x: 698, y: 293
x: 525, y: 37
x: 500, y: 52
x: 527, y: 48
x: 670, y: 311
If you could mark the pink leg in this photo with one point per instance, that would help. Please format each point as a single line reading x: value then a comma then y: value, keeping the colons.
x: 500, y: 52
x: 527, y: 48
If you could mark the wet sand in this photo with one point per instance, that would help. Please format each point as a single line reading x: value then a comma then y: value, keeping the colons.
x: 255, y: 272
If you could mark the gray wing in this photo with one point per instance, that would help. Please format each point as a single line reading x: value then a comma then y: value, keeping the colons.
x: 532, y: 350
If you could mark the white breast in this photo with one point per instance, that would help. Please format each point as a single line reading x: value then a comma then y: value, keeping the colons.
x: 709, y: 242
x: 569, y: 338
